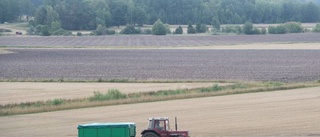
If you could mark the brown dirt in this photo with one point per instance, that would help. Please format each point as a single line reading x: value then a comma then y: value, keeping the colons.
x: 17, y: 92
x: 282, y: 113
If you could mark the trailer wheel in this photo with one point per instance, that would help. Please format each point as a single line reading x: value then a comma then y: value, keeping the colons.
x: 150, y: 134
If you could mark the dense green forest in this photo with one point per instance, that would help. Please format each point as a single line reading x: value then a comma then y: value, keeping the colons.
x: 88, y: 14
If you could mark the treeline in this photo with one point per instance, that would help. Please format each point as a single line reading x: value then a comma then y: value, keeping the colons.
x: 15, y: 10
x: 88, y: 14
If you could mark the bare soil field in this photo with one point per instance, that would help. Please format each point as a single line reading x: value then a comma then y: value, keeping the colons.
x: 18, y: 92
x: 289, y: 113
x: 161, y: 64
x: 153, y: 41
x: 259, y: 46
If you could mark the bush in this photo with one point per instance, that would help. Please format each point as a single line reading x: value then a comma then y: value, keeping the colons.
x: 256, y: 31
x: 61, y: 32
x: 112, y: 94
x: 5, y: 30
x: 294, y: 27
x: 55, y: 26
x: 214, y: 88
x: 191, y: 29
x: 214, y: 31
x: 248, y: 28
x: 31, y: 30
x: 168, y: 30
x: 281, y: 29
x: 170, y: 92
x: 42, y: 30
x: 79, y: 34
x: 56, y: 102
x: 159, y: 28
x: 130, y: 30
x: 110, y: 32
x: 317, y: 28
x: 263, y: 31
x: 201, y: 28
x: 272, y: 30
x: 101, y: 30
x: 178, y: 30
x: 232, y: 29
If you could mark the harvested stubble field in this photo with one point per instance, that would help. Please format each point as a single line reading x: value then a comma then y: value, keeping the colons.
x: 290, y: 113
x: 153, y: 41
x: 160, y: 64
x: 21, y: 92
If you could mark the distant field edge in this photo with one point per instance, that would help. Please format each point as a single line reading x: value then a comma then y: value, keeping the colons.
x: 115, y: 80
x: 115, y: 97
x: 249, y: 46
x: 150, y: 41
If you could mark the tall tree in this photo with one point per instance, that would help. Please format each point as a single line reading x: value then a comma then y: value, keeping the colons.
x: 41, y: 15
x: 139, y: 16
x: 52, y: 16
x: 119, y: 12
x: 27, y: 8
x: 102, y: 12
x: 310, y: 12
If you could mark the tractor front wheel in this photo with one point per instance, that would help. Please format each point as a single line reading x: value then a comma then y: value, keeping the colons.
x: 150, y: 134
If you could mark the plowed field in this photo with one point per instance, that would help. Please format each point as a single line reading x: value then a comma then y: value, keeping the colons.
x: 154, y: 41
x: 161, y: 64
x: 291, y: 113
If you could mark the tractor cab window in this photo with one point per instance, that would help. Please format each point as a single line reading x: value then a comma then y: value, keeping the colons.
x: 159, y: 125
x: 167, y: 125
x: 150, y: 126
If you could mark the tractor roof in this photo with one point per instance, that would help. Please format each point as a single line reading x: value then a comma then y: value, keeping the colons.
x: 161, y: 118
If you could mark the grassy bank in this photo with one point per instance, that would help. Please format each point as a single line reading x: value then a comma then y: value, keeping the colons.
x: 115, y: 97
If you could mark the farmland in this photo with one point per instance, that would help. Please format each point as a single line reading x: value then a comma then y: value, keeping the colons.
x: 160, y: 64
x: 154, y: 41
x: 72, y: 66
x: 290, y: 113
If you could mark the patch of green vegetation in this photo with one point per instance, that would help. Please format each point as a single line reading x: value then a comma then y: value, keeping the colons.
x: 170, y: 92
x: 214, y: 88
x: 56, y: 102
x: 273, y: 84
x: 112, y: 94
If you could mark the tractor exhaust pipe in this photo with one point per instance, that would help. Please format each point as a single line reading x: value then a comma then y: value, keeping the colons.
x: 176, y: 123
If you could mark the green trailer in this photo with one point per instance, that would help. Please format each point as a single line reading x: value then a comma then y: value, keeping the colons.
x: 107, y: 130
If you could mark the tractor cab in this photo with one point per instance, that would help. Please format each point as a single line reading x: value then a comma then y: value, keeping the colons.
x: 160, y: 124
x: 159, y: 127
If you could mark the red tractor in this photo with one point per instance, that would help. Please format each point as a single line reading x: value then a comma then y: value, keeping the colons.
x: 159, y: 127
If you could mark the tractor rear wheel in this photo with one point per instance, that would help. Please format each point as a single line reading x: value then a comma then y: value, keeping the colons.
x: 150, y: 134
